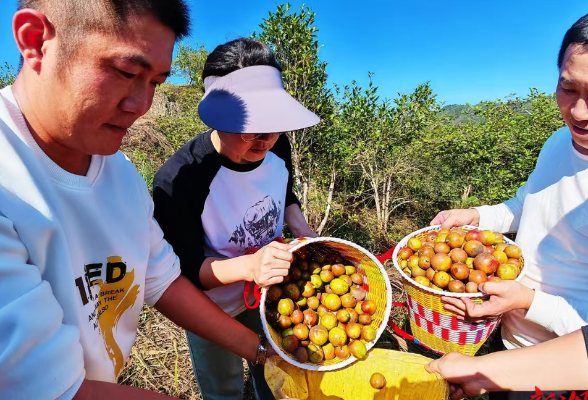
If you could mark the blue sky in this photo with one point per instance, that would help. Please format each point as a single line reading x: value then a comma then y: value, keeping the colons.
x: 469, y: 50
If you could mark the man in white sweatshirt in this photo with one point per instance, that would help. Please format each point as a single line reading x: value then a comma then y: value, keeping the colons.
x: 79, y: 249
x: 550, y: 215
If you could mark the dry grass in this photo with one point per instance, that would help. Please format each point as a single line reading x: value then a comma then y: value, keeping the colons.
x: 160, y: 359
x: 145, y: 136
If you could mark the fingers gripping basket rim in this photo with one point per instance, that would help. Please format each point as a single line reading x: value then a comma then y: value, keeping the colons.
x: 388, y: 301
x: 436, y: 228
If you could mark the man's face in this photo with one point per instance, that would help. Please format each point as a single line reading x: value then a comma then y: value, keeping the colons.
x: 105, y: 86
x: 572, y: 94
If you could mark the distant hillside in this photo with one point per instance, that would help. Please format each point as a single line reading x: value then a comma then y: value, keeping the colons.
x: 461, y: 113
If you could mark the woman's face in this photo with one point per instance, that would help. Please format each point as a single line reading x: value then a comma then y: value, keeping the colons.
x: 240, y: 151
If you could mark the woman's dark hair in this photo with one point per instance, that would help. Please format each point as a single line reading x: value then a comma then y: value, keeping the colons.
x: 237, y: 54
x: 577, y: 34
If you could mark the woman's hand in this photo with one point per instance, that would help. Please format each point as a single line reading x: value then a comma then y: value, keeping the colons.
x: 270, y: 264
x: 504, y: 296
x: 462, y: 373
x: 458, y: 217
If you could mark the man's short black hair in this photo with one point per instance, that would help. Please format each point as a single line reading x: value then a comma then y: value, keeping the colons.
x: 100, y: 14
x: 73, y: 19
x: 577, y: 34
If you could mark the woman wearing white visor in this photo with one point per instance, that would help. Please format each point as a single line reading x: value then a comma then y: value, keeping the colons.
x: 229, y: 190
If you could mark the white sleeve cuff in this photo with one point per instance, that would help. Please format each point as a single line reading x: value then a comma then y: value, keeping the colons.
x: 498, y: 218
x: 554, y: 313
x: 543, y: 309
x: 156, y: 286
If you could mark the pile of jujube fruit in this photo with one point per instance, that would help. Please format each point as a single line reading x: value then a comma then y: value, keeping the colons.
x: 459, y: 260
x: 320, y: 310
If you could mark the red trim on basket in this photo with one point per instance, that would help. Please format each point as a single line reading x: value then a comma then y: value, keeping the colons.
x: 406, y: 336
x: 463, y: 337
x: 408, y: 301
x: 399, y: 331
x: 436, y: 318
x: 421, y: 310
x: 490, y: 330
x: 247, y: 289
x: 256, y: 295
x: 454, y: 323
x: 430, y: 327
x: 445, y: 334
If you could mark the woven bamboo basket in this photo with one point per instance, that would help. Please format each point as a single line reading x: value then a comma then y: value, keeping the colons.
x: 375, y: 283
x: 436, y: 327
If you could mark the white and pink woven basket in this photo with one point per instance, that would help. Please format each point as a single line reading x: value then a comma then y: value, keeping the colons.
x: 430, y: 323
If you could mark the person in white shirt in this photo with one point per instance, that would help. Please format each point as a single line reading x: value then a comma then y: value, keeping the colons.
x: 550, y: 216
x: 80, y: 251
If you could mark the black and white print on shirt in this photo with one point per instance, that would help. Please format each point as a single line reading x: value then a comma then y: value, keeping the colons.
x: 259, y: 224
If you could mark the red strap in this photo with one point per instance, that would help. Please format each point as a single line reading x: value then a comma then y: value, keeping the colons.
x: 256, y: 294
x: 251, y: 250
x: 399, y: 331
x: 386, y: 256
x: 256, y: 288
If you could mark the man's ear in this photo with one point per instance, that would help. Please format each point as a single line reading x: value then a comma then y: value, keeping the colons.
x: 31, y: 30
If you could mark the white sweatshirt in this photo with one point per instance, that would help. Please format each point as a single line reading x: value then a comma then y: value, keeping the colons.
x: 550, y: 213
x: 78, y: 257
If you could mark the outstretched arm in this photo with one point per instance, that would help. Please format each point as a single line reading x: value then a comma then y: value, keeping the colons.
x: 187, y: 306
x: 96, y: 390
x: 559, y: 364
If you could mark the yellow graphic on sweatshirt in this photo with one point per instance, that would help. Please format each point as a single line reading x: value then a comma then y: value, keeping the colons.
x: 115, y: 298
